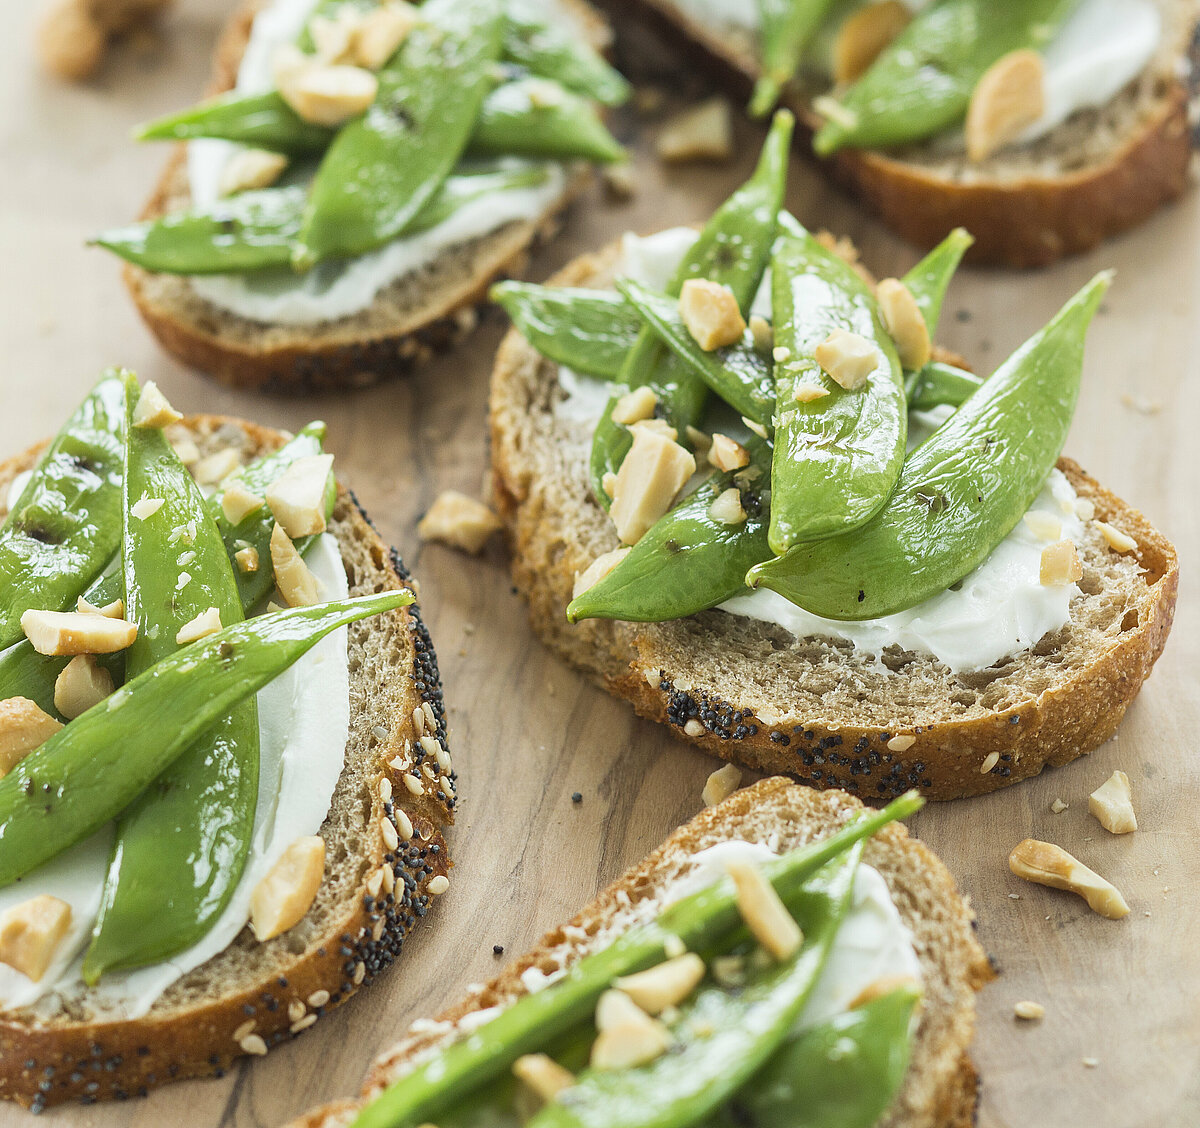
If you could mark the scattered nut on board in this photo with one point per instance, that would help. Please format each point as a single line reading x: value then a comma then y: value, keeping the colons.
x: 1046, y: 864
x: 1112, y: 804
x: 721, y: 784
x: 1029, y: 1010
x: 74, y: 35
x: 703, y: 132
x: 459, y: 521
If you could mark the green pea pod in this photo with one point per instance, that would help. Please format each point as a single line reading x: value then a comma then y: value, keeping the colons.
x: 929, y: 279
x: 741, y: 375
x: 264, y: 121
x: 837, y: 458
x: 688, y: 561
x: 961, y: 491
x: 181, y: 846
x: 62, y: 530
x: 534, y: 117
x: 939, y: 384
x: 842, y: 1073
x: 921, y: 84
x: 549, y: 51
x: 787, y: 27
x: 382, y: 168
x: 536, y: 1020
x: 92, y: 769
x: 733, y: 249
x: 590, y: 331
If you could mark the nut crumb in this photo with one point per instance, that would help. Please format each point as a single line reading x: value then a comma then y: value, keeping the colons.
x: 1029, y: 1010
x: 703, y: 132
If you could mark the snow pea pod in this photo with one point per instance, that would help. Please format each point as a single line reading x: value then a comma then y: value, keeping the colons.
x: 181, y: 846
x: 929, y: 279
x: 383, y: 167
x: 264, y: 121
x: 837, y: 458
x: 733, y: 249
x: 939, y: 384
x: 92, y: 769
x: 787, y: 27
x: 921, y: 84
x: 961, y: 491
x: 549, y: 51
x: 534, y: 117
x: 65, y: 526
x: 701, y: 921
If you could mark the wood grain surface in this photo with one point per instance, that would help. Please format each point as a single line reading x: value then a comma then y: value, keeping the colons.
x: 527, y: 732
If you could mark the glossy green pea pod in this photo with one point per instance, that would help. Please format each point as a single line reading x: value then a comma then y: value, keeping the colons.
x: 181, y: 846
x: 263, y: 121
x: 930, y: 278
x: 701, y: 921
x: 688, y: 561
x: 92, y: 769
x: 64, y: 527
x: 382, y: 168
x: 962, y: 490
x: 836, y: 458
x: 938, y: 385
x: 787, y: 27
x: 733, y: 249
x: 534, y: 117
x: 921, y: 84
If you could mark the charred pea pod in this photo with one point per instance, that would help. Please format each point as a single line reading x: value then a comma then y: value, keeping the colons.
x: 787, y: 28
x: 534, y: 117
x: 181, y: 845
x: 961, y: 491
x: 65, y: 526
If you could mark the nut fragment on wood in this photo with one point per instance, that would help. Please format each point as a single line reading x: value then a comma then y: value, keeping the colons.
x: 703, y: 132
x: 459, y: 521
x: 721, y: 784
x: 905, y: 323
x: 864, y: 35
x: 764, y: 913
x: 1112, y: 804
x: 1046, y: 864
x: 280, y: 900
x: 24, y: 727
x: 1009, y: 97
x: 1028, y: 1010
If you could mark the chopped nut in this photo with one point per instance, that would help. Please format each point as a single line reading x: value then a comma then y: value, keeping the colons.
x: 80, y: 685
x: 153, y: 410
x: 699, y: 440
x: 847, y: 358
x: 877, y: 988
x: 1060, y: 564
x: 832, y: 110
x: 1085, y: 508
x: 459, y: 521
x: 1114, y: 538
x: 763, y: 334
x: 216, y: 467
x: 31, y: 932
x: 727, y: 454
x: 24, y: 727
x: 905, y: 323
x: 711, y: 313
x: 146, y: 507
x: 806, y: 393
x: 237, y: 503
x: 1029, y: 1010
x: 322, y: 93
x: 69, y: 632
x: 296, y: 583
x: 727, y: 507
x: 187, y: 450
x: 1010, y: 96
x: 757, y: 428
x: 635, y: 406
x: 619, y: 180
x: 284, y: 895
x: 1058, y: 806
x: 989, y: 762
x: 652, y: 473
x: 781, y: 354
x: 1042, y: 525
x: 297, y: 496
x: 609, y: 483
x: 205, y: 624
x: 380, y: 32
x: 901, y: 743
x: 597, y: 570
x: 664, y: 985
x: 249, y: 169
x: 628, y: 1036
x: 70, y: 40
x: 113, y: 610
x: 332, y: 37
x: 764, y: 913
x: 702, y: 133
x: 864, y: 35
x: 247, y: 559
x: 542, y: 1076
x: 1047, y: 864
x: 721, y: 784
x: 729, y: 971
x: 1112, y: 804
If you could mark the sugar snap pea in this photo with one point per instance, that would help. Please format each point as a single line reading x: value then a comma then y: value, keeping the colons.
x: 64, y: 527
x: 929, y: 279
x: 921, y: 84
x: 92, y: 769
x: 383, y: 167
x: 181, y: 846
x: 545, y: 49
x: 534, y: 117
x: 961, y: 491
x: 939, y: 384
x: 837, y: 457
x: 264, y: 121
x: 787, y: 26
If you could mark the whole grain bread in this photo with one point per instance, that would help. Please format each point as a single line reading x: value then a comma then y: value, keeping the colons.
x: 940, y: 1088
x: 405, y: 325
x: 355, y: 928
x: 814, y: 708
x: 1101, y: 172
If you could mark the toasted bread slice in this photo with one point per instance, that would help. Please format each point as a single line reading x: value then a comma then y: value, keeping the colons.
x: 406, y: 324
x: 1101, y: 172
x: 749, y: 692
x: 354, y: 929
x: 940, y: 1089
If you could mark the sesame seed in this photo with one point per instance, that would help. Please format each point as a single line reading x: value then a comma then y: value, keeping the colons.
x: 253, y: 1044
x: 428, y: 772
x: 1029, y: 1010
x: 242, y: 1031
x: 377, y: 931
x: 360, y: 973
x: 375, y: 883
x: 447, y: 785
x: 439, y: 885
x: 430, y: 745
x: 295, y: 1011
x: 443, y: 759
x: 387, y: 874
x: 380, y: 732
x: 901, y: 743
x: 303, y: 1024
x: 990, y: 761
x: 397, y: 763
x: 418, y: 719
x: 404, y: 823
x: 390, y: 838
x: 413, y: 784
x: 385, y: 789
x: 318, y: 999
x: 430, y: 716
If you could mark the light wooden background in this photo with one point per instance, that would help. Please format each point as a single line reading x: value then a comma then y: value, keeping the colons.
x: 527, y: 732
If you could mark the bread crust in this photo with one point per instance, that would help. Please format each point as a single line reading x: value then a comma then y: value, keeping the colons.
x: 45, y: 1062
x: 1021, y: 221
x: 343, y: 353
x: 941, y: 1089
x: 944, y: 760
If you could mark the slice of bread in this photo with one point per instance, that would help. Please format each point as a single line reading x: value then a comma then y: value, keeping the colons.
x: 940, y: 1088
x: 354, y: 929
x: 813, y: 708
x: 1101, y: 172
x: 408, y: 321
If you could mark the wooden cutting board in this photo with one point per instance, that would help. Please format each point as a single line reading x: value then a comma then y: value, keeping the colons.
x: 527, y: 732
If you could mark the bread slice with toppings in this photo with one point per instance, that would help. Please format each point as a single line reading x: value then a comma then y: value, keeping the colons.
x: 1099, y: 173
x: 940, y: 1088
x: 407, y: 322
x: 253, y: 995
x: 814, y: 708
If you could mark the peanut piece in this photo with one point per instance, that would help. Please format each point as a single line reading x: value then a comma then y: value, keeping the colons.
x: 24, y: 727
x: 863, y: 36
x: 296, y: 583
x: 31, y: 932
x: 69, y: 632
x: 1010, y: 96
x: 250, y: 169
x: 727, y: 454
x: 665, y: 985
x: 205, y: 624
x: 702, y: 133
x: 1060, y: 564
x: 297, y: 496
x: 764, y: 913
x: 153, y: 409
x: 1112, y: 804
x: 542, y: 1076
x: 635, y: 406
x: 597, y: 570
x: 711, y: 313
x: 847, y: 358
x: 81, y: 685
x: 459, y: 521
x: 286, y: 893
x: 904, y: 322
x: 652, y: 473
x: 1047, y: 864
x: 727, y: 507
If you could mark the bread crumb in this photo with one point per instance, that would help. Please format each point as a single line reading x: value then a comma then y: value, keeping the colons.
x: 703, y: 132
